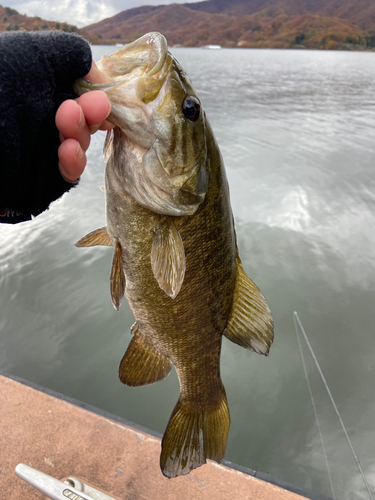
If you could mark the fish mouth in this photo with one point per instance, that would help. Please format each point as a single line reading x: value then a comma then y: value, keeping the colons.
x: 142, y: 60
x: 154, y: 152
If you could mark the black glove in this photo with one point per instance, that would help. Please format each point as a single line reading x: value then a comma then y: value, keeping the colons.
x: 37, y: 71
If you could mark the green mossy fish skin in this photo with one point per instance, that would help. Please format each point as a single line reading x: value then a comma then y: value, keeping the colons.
x: 183, y: 279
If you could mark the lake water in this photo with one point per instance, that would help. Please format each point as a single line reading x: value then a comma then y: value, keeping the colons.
x: 296, y: 129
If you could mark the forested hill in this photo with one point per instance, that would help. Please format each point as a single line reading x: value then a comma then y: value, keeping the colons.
x: 361, y: 12
x: 12, y: 20
x: 314, y: 24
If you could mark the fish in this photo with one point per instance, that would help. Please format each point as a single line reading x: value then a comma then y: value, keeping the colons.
x: 175, y: 255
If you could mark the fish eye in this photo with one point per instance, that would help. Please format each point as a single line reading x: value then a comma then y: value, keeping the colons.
x: 191, y: 108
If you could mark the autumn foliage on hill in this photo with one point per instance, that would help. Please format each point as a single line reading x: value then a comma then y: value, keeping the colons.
x: 311, y: 24
x: 189, y: 27
x: 360, y: 12
x: 11, y: 20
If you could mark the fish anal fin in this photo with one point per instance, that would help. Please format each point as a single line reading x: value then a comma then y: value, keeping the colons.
x: 250, y: 323
x: 117, y: 277
x: 193, y: 436
x: 168, y: 258
x: 142, y: 364
x: 95, y: 238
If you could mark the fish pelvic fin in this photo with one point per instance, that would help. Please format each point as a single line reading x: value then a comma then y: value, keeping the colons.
x: 95, y: 238
x: 168, y: 258
x: 250, y: 323
x: 142, y: 364
x: 194, y: 436
x: 117, y: 277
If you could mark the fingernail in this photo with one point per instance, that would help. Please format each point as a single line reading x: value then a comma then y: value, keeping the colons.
x: 82, y: 120
x: 79, y: 152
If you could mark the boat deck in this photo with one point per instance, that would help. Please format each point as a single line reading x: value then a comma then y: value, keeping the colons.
x: 62, y: 439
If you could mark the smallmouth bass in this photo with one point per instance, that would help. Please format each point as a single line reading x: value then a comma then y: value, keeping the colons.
x: 175, y: 255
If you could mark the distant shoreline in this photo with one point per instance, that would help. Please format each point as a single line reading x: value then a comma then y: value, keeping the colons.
x: 343, y: 48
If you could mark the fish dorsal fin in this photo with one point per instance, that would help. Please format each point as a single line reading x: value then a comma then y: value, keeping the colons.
x: 250, y: 323
x: 117, y: 278
x: 142, y: 364
x: 95, y: 238
x: 168, y: 258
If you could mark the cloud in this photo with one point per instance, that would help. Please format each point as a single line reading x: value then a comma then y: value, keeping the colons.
x: 79, y: 12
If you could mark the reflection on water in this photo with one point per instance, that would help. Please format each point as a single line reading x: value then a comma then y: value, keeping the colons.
x: 296, y: 130
x: 293, y: 211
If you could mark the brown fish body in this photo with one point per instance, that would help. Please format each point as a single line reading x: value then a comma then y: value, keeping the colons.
x: 175, y: 256
x: 188, y: 329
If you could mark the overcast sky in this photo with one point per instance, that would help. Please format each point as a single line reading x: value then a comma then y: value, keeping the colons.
x: 79, y: 12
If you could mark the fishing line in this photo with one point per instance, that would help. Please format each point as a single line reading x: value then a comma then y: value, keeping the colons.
x: 297, y: 320
x: 295, y: 317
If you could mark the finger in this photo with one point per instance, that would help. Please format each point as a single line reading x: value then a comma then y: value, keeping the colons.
x: 72, y: 159
x: 95, y: 76
x: 107, y: 125
x: 70, y: 120
x: 96, y: 108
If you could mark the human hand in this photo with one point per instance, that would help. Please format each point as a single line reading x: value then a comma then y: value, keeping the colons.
x: 76, y: 120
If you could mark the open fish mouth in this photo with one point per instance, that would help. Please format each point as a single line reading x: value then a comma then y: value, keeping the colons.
x: 141, y: 61
x: 137, y: 74
x: 143, y: 57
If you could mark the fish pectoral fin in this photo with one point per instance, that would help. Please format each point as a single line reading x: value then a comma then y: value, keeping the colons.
x: 168, y: 258
x: 250, y: 323
x: 95, y: 238
x: 117, y: 277
x: 193, y: 436
x: 142, y: 364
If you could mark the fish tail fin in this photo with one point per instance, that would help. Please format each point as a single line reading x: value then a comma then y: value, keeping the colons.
x: 250, y: 323
x: 193, y: 436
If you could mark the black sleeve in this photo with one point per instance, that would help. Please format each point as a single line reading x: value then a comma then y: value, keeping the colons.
x: 37, y: 71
